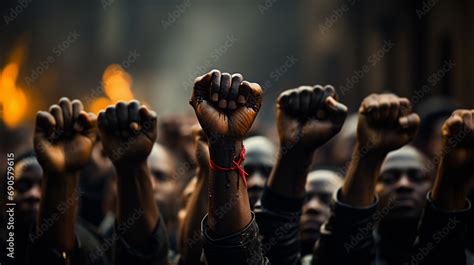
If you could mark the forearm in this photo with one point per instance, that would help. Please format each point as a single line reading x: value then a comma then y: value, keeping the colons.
x: 59, y: 203
x: 229, y: 207
x: 190, y: 230
x: 136, y: 203
x: 288, y: 177
x: 447, y: 193
x: 358, y: 189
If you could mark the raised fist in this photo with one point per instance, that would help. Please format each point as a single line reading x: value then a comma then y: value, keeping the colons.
x: 225, y: 105
x: 64, y: 136
x: 386, y: 123
x: 458, y: 140
x: 309, y: 116
x: 128, y: 132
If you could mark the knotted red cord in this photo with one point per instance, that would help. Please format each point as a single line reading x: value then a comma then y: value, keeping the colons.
x: 237, y: 166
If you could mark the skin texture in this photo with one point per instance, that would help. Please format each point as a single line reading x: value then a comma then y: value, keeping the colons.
x: 403, y: 183
x: 226, y: 107
x: 128, y: 132
x: 307, y: 117
x: 385, y: 124
x: 320, y: 186
x: 455, y: 170
x: 63, y: 140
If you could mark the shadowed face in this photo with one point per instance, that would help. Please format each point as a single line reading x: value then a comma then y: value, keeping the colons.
x: 165, y: 186
x: 320, y: 186
x: 29, y: 176
x: 403, y: 183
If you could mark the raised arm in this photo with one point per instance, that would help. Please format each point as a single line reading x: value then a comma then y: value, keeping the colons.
x: 226, y: 107
x: 386, y: 123
x: 456, y: 168
x: 307, y: 117
x: 128, y: 132
x: 63, y: 141
x: 196, y: 208
x: 444, y: 223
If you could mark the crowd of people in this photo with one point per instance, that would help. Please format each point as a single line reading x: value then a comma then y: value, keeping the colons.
x: 389, y: 184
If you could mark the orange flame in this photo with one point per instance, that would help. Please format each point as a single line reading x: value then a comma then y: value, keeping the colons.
x: 13, y: 98
x: 117, y: 85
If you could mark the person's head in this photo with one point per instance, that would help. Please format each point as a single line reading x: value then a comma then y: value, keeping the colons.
x: 165, y: 187
x: 320, y: 186
x: 403, y: 183
x: 176, y: 135
x: 260, y: 159
x: 28, y: 179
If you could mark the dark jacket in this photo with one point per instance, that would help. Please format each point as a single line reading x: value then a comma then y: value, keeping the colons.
x: 348, y: 236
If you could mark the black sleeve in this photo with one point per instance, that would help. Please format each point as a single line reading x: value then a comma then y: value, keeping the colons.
x: 82, y: 254
x: 442, y: 236
x: 240, y: 249
x: 278, y: 218
x: 156, y: 252
x: 347, y: 237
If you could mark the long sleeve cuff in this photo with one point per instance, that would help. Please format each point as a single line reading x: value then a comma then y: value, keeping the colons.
x: 347, y: 236
x: 155, y: 253
x: 240, y: 248
x: 279, y: 219
x: 442, y: 235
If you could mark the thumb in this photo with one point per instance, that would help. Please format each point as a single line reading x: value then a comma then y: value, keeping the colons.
x: 45, y: 123
x: 337, y: 111
x: 410, y: 124
x: 86, y: 124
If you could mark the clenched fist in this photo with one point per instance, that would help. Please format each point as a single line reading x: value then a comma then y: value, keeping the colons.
x: 386, y: 123
x: 309, y: 116
x: 225, y: 105
x: 458, y: 140
x: 128, y: 132
x: 64, y: 136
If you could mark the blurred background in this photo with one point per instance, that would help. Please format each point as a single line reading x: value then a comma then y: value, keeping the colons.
x: 102, y: 51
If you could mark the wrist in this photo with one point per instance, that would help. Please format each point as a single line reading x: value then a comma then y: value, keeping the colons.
x: 62, y: 177
x: 451, y: 187
x: 290, y: 172
x: 449, y: 197
x: 224, y: 151
x: 125, y: 169
x: 368, y: 152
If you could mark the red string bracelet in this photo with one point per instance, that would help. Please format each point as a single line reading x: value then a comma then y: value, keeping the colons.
x: 237, y: 166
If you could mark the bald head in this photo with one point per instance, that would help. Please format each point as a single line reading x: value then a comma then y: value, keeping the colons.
x: 320, y: 185
x: 260, y: 159
x: 404, y: 180
x: 259, y: 150
x: 323, y: 180
x: 406, y: 157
